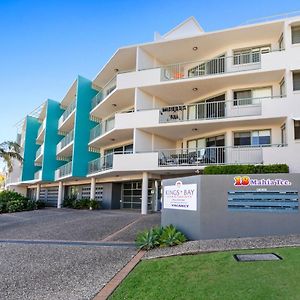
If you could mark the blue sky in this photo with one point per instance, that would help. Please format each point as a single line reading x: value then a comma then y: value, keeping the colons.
x: 45, y: 44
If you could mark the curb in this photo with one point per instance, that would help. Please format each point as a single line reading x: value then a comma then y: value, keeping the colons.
x: 108, y: 289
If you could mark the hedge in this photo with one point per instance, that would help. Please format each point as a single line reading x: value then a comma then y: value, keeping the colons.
x: 246, y: 169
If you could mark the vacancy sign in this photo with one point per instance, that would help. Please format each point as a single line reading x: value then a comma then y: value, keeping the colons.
x: 180, y: 196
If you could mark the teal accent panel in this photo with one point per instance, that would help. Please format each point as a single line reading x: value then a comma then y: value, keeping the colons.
x: 82, y: 127
x: 52, y: 138
x: 30, y: 147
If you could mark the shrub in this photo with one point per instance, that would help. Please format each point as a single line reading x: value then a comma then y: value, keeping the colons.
x: 40, y: 204
x: 11, y: 201
x: 160, y: 237
x: 246, y: 169
x: 81, y: 203
x: 171, y: 237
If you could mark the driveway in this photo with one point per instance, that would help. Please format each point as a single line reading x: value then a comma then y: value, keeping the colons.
x: 65, y: 254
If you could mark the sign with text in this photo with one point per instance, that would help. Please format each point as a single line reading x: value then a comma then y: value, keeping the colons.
x: 181, y: 196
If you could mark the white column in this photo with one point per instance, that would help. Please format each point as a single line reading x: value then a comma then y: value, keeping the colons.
x: 156, y: 195
x: 93, y: 188
x: 38, y: 189
x: 60, y: 194
x: 145, y: 193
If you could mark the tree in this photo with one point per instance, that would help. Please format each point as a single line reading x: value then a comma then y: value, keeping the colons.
x: 10, y: 151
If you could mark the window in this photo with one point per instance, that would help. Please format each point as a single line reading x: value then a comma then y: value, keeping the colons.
x: 283, y: 135
x: 296, y: 35
x: 296, y: 81
x: 252, y: 138
x: 251, y: 96
x: 282, y: 88
x: 249, y: 55
x: 297, y: 129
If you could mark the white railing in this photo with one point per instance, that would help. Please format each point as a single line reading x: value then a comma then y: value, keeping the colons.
x: 102, y: 128
x: 105, y: 91
x: 105, y: 162
x: 38, y: 175
x: 68, y: 139
x: 220, y: 65
x: 67, y: 112
x: 212, y: 156
x: 64, y: 171
x: 39, y: 151
x: 213, y: 110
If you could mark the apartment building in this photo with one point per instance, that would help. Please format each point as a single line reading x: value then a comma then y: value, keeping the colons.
x: 169, y: 108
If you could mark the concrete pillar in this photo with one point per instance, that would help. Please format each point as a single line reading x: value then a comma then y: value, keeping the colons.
x: 93, y: 188
x: 156, y: 195
x: 145, y: 193
x: 38, y: 190
x: 60, y: 194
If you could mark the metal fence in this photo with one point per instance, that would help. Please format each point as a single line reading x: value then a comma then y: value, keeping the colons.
x: 64, y: 170
x: 67, y: 112
x: 102, y: 128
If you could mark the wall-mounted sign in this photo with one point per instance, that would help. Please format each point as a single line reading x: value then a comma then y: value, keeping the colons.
x: 180, y: 196
x: 247, y: 181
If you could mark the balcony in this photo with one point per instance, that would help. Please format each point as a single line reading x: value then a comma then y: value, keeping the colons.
x: 102, y: 128
x: 66, y: 141
x: 213, y: 110
x: 212, y: 156
x: 105, y: 91
x: 70, y: 109
x: 39, y: 154
x: 41, y: 132
x: 105, y: 162
x: 38, y: 175
x: 64, y: 171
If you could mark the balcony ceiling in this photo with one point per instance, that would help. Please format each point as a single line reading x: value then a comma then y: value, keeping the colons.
x: 121, y: 98
x: 181, y: 50
x: 179, y: 131
x: 113, y: 137
x: 181, y: 91
x: 124, y: 59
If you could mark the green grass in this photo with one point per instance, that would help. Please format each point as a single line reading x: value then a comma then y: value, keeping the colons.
x: 214, y: 276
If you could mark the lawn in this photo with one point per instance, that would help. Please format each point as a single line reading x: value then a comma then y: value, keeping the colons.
x: 215, y: 276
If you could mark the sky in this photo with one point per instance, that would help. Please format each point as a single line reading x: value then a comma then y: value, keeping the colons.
x: 44, y: 45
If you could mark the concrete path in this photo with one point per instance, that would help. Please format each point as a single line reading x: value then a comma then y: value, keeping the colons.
x: 65, y: 254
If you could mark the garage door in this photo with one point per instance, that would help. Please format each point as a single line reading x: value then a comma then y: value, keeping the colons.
x: 49, y: 196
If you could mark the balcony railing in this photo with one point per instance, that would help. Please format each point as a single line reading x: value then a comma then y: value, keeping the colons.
x: 38, y: 175
x: 102, y: 128
x: 64, y: 171
x: 212, y: 110
x: 105, y: 91
x: 39, y: 151
x: 212, y: 156
x: 105, y: 162
x: 42, y: 127
x: 65, y: 141
x: 67, y: 112
x: 220, y: 65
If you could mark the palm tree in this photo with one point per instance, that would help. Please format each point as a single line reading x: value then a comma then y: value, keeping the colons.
x: 10, y: 151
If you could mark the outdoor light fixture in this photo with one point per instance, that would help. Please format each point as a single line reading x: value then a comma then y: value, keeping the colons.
x: 112, y: 140
x: 116, y: 70
x: 194, y: 129
x: 114, y: 105
x: 195, y: 89
x: 195, y: 48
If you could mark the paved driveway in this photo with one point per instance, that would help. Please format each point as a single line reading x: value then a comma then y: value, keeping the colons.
x: 65, y: 254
